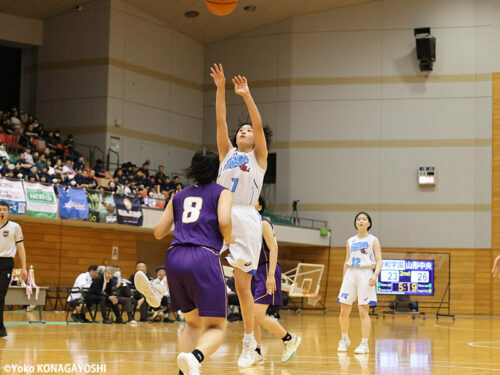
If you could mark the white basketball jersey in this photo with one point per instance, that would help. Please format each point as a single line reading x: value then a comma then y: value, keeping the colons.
x: 10, y: 235
x: 242, y: 175
x: 361, y: 251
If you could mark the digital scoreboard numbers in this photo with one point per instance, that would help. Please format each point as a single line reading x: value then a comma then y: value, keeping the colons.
x: 413, y: 277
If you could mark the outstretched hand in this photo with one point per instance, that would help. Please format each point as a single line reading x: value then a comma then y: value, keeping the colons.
x: 241, y: 85
x: 217, y: 74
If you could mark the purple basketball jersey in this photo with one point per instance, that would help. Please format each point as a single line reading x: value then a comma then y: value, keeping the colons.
x: 264, y: 254
x: 195, y: 216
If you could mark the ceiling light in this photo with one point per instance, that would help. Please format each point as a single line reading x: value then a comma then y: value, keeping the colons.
x: 191, y: 14
x: 250, y: 8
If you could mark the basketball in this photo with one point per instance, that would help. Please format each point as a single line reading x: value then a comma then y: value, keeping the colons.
x: 221, y: 7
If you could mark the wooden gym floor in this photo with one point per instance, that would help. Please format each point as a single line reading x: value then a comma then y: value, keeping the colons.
x: 470, y: 345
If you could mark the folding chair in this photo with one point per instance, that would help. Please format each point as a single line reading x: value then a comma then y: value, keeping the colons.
x: 52, y: 295
x: 86, y: 306
x: 71, y: 303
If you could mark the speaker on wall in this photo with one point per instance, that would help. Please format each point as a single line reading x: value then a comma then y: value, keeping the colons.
x: 426, y: 48
x: 270, y: 176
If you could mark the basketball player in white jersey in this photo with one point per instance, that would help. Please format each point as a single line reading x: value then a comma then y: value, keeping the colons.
x: 243, y: 165
x: 361, y: 269
x: 11, y: 242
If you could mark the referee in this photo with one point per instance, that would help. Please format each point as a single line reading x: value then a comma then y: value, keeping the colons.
x: 11, y: 240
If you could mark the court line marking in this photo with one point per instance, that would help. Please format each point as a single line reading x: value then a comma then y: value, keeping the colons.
x: 474, y: 344
x: 371, y: 360
x: 465, y: 329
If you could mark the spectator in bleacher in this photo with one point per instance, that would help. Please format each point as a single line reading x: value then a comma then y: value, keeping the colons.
x: 51, y: 142
x: 31, y: 119
x: 7, y: 126
x: 57, y: 136
x: 140, y: 180
x: 15, y: 118
x: 10, y: 174
x: 69, y: 145
x: 58, y: 168
x: 142, y: 305
x: 176, y: 181
x: 118, y: 175
x: 28, y: 156
x: 130, y: 179
x: 33, y: 175
x: 6, y: 167
x: 23, y: 116
x: 49, y: 155
x: 151, y: 183
x: 68, y: 170
x: 178, y: 187
x: 167, y: 185
x: 25, y: 164
x: 125, y: 168
x: 50, y: 168
x: 112, y: 187
x: 30, y: 132
x: 41, y: 163
x: 145, y: 169
x: 81, y: 179
x: 18, y: 171
x: 84, y: 280
x: 133, y: 169
x: 24, y: 139
x: 3, y: 153
x: 161, y: 173
x: 40, y: 130
x: 86, y: 181
x: 101, y: 293
x: 99, y: 169
x: 92, y: 182
x: 80, y: 163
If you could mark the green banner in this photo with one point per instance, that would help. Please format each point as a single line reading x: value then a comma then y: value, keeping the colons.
x: 101, y: 207
x: 40, y: 200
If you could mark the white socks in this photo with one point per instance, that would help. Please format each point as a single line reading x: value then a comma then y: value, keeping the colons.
x: 345, y: 336
x: 364, y: 341
x: 248, y: 336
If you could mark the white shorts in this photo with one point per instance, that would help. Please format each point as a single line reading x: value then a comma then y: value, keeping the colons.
x: 356, y: 285
x: 244, y: 253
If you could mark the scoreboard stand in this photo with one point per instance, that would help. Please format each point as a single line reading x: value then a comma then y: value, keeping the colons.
x: 448, y: 304
x: 403, y: 306
x: 425, y: 277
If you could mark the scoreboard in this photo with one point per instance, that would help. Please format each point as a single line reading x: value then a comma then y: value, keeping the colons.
x: 412, y: 277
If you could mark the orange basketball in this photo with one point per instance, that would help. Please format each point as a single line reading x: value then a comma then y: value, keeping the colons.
x: 221, y: 7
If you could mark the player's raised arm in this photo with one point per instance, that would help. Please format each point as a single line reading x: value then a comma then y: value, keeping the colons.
x: 223, y: 142
x: 164, y: 225
x: 224, y: 214
x: 241, y: 88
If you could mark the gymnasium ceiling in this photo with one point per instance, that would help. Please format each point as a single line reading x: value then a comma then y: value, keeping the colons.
x: 205, y: 28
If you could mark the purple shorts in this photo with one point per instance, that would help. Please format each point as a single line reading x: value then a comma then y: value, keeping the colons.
x: 196, y: 281
x: 259, y: 289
